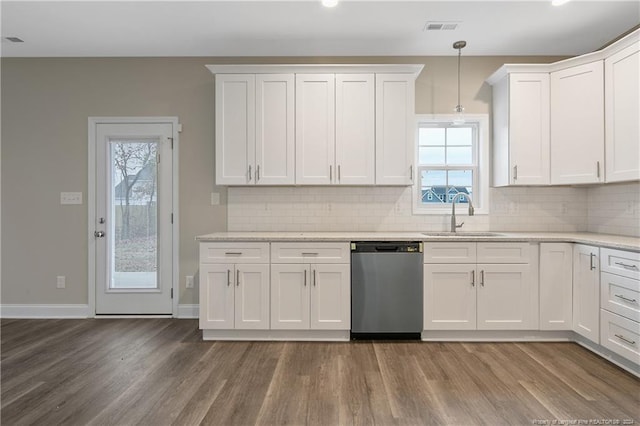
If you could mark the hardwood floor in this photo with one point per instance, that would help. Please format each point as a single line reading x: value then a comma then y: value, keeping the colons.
x: 160, y: 372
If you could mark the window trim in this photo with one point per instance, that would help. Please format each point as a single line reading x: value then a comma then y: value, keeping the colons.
x: 481, y: 181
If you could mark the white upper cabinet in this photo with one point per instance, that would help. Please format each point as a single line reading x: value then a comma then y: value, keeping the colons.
x: 577, y: 124
x: 255, y: 129
x: 395, y: 129
x: 355, y: 129
x: 275, y: 123
x: 521, y: 129
x: 235, y: 128
x: 315, y: 128
x: 622, y: 114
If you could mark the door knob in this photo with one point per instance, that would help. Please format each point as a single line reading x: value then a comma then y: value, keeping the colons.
x: 99, y: 234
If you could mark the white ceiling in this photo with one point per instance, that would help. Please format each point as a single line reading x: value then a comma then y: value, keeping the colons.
x: 305, y: 28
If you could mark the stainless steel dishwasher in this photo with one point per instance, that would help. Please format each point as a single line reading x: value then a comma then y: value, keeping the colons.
x: 386, y: 290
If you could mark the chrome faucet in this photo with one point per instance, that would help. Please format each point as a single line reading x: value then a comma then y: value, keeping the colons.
x: 453, y: 210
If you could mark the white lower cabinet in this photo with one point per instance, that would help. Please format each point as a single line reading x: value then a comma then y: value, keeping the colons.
x: 556, y: 294
x: 483, y: 296
x: 586, y: 292
x: 234, y: 296
x: 310, y: 296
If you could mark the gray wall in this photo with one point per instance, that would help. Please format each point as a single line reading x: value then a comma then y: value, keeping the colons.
x: 45, y: 105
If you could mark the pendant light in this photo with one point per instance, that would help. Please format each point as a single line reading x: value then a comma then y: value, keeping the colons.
x: 459, y: 110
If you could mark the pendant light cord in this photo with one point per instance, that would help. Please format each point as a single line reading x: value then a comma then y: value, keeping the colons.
x: 459, y: 54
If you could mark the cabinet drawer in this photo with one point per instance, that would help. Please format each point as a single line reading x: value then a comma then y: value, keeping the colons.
x: 619, y: 262
x: 621, y: 335
x: 312, y: 252
x: 234, y: 252
x: 455, y: 252
x: 503, y: 252
x: 620, y: 295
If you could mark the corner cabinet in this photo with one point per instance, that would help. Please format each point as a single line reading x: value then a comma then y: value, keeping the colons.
x: 520, y: 126
x: 315, y: 124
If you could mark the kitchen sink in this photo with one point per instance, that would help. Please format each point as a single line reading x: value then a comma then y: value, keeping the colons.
x: 462, y: 234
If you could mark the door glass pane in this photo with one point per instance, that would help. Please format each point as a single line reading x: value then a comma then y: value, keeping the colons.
x: 134, y: 202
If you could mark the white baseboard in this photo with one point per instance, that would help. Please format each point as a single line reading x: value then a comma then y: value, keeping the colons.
x: 44, y: 311
x: 188, y: 311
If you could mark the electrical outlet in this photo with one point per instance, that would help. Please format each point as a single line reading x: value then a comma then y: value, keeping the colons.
x: 71, y: 198
x: 61, y: 281
x: 189, y: 281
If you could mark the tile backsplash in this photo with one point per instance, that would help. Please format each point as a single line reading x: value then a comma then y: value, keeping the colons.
x: 605, y: 209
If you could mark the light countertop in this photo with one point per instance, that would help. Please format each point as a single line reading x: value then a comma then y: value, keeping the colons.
x: 602, y: 240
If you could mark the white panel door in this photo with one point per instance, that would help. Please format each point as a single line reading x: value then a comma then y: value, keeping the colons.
x: 622, y: 114
x: 395, y: 129
x: 275, y: 115
x: 529, y: 129
x: 235, y: 129
x: 586, y: 292
x: 331, y: 296
x: 290, y: 296
x: 506, y: 300
x: 556, y: 283
x: 355, y: 129
x: 216, y: 296
x: 252, y: 297
x: 450, y: 296
x: 315, y: 129
x: 577, y: 124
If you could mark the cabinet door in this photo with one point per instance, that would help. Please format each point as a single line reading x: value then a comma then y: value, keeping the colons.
x: 216, y: 296
x: 275, y: 144
x: 586, y: 292
x: 577, y: 124
x: 395, y: 129
x: 529, y: 129
x: 556, y: 281
x: 507, y: 300
x: 330, y: 296
x: 235, y: 129
x: 290, y: 297
x: 622, y: 114
x: 315, y: 129
x: 450, y: 296
x: 252, y: 297
x: 355, y: 129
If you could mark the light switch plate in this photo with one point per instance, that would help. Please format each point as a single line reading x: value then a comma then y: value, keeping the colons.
x: 71, y: 198
x: 61, y: 281
x: 215, y: 198
x: 189, y: 281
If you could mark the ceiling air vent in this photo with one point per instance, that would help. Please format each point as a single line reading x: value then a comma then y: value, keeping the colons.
x: 440, y: 26
x: 14, y: 39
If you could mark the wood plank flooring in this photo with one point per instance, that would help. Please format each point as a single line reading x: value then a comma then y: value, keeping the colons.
x: 160, y: 372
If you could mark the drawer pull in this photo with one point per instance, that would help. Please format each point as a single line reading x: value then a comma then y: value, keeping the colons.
x: 232, y: 253
x: 482, y: 278
x: 473, y: 278
x: 228, y: 277
x: 624, y: 265
x: 591, y: 265
x: 309, y: 254
x: 631, y: 342
x: 238, y: 277
x: 626, y: 299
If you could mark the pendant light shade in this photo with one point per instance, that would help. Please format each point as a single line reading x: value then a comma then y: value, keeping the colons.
x: 459, y: 109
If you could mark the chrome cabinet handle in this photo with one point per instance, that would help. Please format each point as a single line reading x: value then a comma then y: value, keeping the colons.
x: 258, y: 172
x: 473, y: 278
x: 338, y: 172
x: 631, y: 342
x: 238, y: 278
x: 314, y: 278
x: 249, y: 173
x: 330, y: 172
x: 98, y: 234
x: 598, y: 169
x: 482, y: 278
x: 591, y: 265
x: 411, y: 173
x: 626, y: 299
x: 232, y: 253
x: 228, y: 277
x: 309, y: 254
x: 515, y: 172
x: 305, y: 277
x: 624, y: 265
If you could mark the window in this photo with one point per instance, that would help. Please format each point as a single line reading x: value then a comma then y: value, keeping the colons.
x: 452, y: 162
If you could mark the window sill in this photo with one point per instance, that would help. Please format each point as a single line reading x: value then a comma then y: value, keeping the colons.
x: 461, y: 210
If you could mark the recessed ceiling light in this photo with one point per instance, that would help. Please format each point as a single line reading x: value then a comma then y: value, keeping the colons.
x: 329, y: 3
x: 559, y: 2
x: 14, y: 39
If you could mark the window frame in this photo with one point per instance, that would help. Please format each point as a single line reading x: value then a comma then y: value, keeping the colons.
x: 480, y: 168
